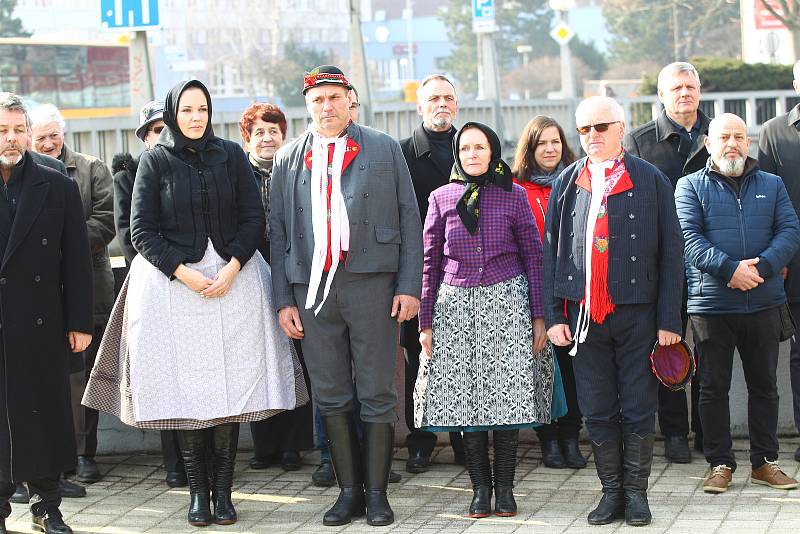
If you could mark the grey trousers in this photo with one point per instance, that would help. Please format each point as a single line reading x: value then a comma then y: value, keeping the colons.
x: 352, y: 339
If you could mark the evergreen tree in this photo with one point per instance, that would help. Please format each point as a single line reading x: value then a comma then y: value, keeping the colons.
x: 10, y: 26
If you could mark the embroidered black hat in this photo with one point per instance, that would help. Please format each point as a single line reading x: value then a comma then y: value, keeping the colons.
x: 325, y: 74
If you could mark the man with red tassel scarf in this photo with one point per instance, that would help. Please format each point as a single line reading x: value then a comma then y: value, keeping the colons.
x: 613, y: 274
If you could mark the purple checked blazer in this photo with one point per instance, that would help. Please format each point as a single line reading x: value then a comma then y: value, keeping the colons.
x: 506, y: 244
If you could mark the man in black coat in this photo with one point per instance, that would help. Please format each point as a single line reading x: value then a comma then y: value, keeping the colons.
x: 429, y: 155
x: 779, y: 153
x: 673, y: 142
x: 45, y: 313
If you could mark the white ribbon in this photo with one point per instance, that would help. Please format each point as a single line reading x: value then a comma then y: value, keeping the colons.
x: 340, y: 224
x: 598, y: 173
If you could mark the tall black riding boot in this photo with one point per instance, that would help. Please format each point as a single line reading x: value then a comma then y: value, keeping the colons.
x: 225, y: 443
x: 638, y: 454
x: 193, y: 450
x: 377, y: 448
x: 505, y: 463
x: 608, y: 461
x: 346, y: 459
x: 476, y: 452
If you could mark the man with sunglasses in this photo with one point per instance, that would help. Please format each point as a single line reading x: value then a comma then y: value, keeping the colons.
x: 613, y: 270
x: 673, y: 142
x: 124, y: 167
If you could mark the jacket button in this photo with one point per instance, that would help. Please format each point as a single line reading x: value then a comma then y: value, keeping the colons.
x: 44, y: 242
x: 37, y: 278
x: 571, y: 256
x: 3, y: 281
x: 365, y: 221
x: 569, y: 277
x: 633, y: 258
x: 362, y: 166
x: 364, y: 250
x: 631, y: 216
x: 478, y: 249
x: 630, y: 194
x: 300, y: 210
x: 300, y: 236
x: 633, y: 236
x: 572, y: 234
x: 366, y: 195
x: 303, y: 181
x: 39, y: 321
x: 573, y: 214
x: 480, y: 269
x: 633, y: 280
x: 299, y: 262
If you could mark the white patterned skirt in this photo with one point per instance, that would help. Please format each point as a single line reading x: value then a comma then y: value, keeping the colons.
x: 483, y: 373
x: 171, y: 359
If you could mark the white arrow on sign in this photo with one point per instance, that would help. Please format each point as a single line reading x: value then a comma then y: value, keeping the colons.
x: 562, y: 33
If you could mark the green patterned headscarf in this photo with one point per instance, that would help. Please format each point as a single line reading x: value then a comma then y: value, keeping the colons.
x: 499, y: 174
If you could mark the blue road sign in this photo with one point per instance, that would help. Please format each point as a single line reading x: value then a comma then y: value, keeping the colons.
x: 483, y: 16
x: 129, y: 14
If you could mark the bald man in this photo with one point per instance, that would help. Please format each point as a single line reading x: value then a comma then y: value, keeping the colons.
x: 741, y: 231
x: 612, y: 286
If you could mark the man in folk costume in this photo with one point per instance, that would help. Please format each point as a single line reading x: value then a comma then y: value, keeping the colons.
x: 613, y: 260
x: 346, y: 248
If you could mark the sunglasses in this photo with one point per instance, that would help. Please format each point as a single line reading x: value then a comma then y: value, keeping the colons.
x: 157, y: 129
x: 599, y: 128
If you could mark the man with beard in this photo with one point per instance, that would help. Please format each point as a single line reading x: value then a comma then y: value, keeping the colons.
x: 429, y: 155
x: 673, y: 142
x: 740, y: 230
x: 45, y: 313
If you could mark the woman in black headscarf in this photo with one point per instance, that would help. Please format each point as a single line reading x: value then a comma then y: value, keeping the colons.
x: 195, y: 327
x: 481, y: 318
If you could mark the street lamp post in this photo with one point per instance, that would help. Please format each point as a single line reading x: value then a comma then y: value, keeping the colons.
x: 525, y: 50
x: 567, y: 77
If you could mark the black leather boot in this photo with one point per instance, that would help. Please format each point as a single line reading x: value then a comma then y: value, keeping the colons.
x: 193, y: 450
x: 505, y: 464
x: 225, y: 443
x: 346, y: 460
x: 572, y: 453
x: 377, y: 448
x: 551, y: 454
x: 476, y: 453
x: 638, y: 459
x: 608, y: 461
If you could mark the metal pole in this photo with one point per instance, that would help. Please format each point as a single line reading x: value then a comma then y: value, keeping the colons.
x: 567, y: 79
x: 141, y: 81
x: 410, y: 34
x: 359, y: 74
x: 491, y: 80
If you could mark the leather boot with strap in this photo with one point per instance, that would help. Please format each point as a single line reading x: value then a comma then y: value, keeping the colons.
x: 608, y: 462
x: 476, y: 453
x: 346, y: 460
x: 638, y: 460
x: 225, y: 443
x: 193, y: 451
x: 505, y: 464
x: 377, y: 448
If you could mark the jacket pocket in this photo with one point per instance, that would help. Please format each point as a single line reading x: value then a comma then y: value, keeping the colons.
x: 387, y: 234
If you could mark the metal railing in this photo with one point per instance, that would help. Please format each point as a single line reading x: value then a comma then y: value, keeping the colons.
x: 105, y: 137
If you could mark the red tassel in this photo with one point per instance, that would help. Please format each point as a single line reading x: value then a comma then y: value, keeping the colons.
x: 601, y: 303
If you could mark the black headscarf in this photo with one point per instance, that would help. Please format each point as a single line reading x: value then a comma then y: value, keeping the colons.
x: 499, y: 174
x: 171, y: 136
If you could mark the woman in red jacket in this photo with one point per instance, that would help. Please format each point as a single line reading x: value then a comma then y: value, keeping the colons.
x: 542, y: 153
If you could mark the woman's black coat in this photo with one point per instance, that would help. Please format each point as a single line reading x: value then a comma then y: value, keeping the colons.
x: 182, y: 199
x: 45, y: 292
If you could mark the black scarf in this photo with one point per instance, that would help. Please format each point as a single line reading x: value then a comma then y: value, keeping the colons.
x: 171, y: 136
x: 499, y: 174
x: 547, y: 179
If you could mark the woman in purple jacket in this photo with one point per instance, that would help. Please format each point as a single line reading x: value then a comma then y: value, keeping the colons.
x: 481, y: 318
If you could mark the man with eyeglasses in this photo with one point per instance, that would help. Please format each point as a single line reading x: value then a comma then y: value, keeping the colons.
x: 124, y: 167
x: 613, y: 271
x: 673, y: 142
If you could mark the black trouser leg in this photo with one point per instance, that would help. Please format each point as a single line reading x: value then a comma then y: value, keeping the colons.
x: 376, y: 449
x: 794, y: 366
x: 225, y: 440
x: 91, y: 417
x: 45, y: 496
x: 193, y: 445
x: 7, y: 489
x: 346, y: 460
x: 173, y: 463
x: 476, y: 453
x: 505, y: 464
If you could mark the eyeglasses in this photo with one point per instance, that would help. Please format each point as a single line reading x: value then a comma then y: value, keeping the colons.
x: 157, y: 129
x: 355, y: 105
x: 599, y: 127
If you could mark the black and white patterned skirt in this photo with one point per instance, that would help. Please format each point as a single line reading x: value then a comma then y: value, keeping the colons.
x: 483, y: 372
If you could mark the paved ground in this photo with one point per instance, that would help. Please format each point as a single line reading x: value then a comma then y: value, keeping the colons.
x: 133, y: 498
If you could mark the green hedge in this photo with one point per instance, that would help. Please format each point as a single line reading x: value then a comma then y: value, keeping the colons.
x: 725, y: 75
